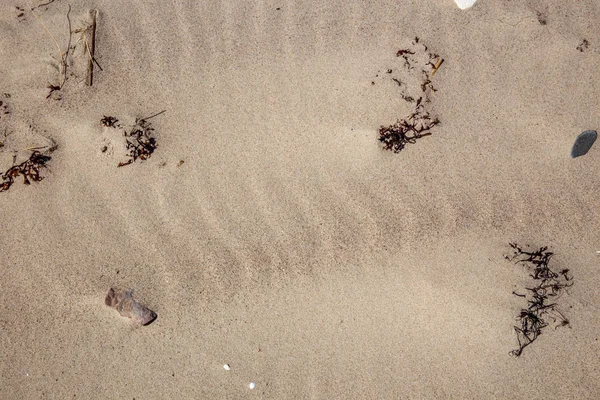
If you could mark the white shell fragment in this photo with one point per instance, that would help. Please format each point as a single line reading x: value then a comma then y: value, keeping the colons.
x: 227, y: 367
x: 123, y: 302
x: 464, y: 4
x: 252, y: 385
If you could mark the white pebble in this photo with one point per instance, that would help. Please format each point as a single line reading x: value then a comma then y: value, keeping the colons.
x: 463, y: 4
x: 252, y: 385
x: 227, y: 367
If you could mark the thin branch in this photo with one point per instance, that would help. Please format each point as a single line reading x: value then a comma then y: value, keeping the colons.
x: 91, y: 49
x: 64, y: 59
x: 44, y: 4
x: 155, y: 115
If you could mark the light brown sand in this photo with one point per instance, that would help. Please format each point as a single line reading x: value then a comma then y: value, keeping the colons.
x: 289, y: 244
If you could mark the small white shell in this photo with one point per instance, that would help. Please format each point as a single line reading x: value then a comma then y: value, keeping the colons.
x: 252, y: 385
x: 464, y: 4
x: 227, y: 367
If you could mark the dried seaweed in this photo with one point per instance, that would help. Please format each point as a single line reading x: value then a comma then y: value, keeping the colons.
x: 583, y: 46
x: 20, y: 12
x: 29, y: 169
x: 110, y: 122
x: 404, y: 131
x: 140, y: 142
x: 405, y: 53
x: 540, y: 298
x: 4, y: 108
x: 419, y: 124
x: 542, y: 18
x: 51, y: 91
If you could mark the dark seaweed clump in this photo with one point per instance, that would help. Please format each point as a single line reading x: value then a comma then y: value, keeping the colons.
x: 583, y: 46
x: 541, y: 298
x: 417, y: 125
x: 4, y: 110
x: 140, y: 142
x: 110, y: 122
x: 29, y: 169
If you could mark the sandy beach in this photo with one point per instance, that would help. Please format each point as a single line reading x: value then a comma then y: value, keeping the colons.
x: 268, y: 228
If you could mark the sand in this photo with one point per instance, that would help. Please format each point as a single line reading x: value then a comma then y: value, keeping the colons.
x: 289, y: 244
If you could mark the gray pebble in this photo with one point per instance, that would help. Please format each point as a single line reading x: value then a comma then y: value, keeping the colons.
x: 583, y: 143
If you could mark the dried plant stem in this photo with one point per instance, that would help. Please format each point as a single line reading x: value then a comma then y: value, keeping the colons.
x: 44, y: 4
x: 91, y: 48
x: 62, y: 66
x: 66, y: 54
x: 153, y: 115
x: 46, y: 28
x: 437, y: 65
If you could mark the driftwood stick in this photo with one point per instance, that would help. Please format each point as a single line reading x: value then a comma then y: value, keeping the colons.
x: 92, y: 49
x: 437, y: 65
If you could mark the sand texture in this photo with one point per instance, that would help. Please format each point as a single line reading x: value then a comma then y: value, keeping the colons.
x: 268, y: 228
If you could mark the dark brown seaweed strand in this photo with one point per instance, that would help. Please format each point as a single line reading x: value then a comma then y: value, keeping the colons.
x: 43, y: 4
x: 417, y: 125
x: 540, y: 298
x: 29, y: 169
x: 111, y: 122
x: 140, y: 142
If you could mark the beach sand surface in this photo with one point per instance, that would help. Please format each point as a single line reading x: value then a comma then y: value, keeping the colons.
x: 288, y: 244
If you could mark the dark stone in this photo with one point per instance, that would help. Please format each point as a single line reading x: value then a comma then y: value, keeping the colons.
x: 583, y: 143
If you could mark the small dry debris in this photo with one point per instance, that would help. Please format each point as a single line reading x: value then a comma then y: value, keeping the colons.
x: 4, y: 107
x: 583, y: 46
x: 20, y: 13
x: 542, y: 18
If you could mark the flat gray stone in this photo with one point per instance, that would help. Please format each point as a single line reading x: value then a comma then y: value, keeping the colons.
x: 583, y: 143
